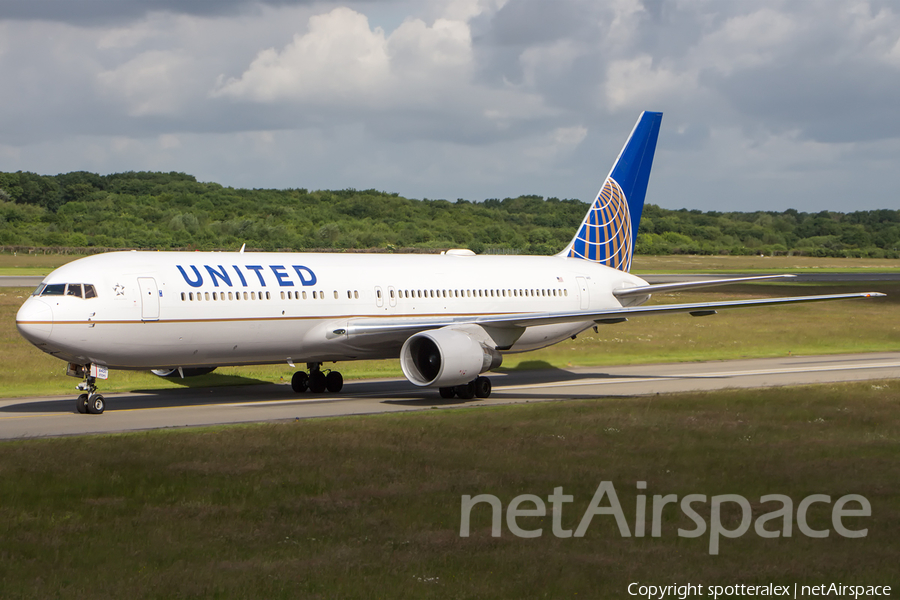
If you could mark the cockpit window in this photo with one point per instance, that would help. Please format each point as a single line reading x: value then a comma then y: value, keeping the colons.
x: 54, y: 289
x: 78, y: 290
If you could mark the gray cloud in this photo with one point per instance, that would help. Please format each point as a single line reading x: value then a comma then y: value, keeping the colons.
x: 460, y: 98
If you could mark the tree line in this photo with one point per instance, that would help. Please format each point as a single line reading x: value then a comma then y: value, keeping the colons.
x: 174, y: 210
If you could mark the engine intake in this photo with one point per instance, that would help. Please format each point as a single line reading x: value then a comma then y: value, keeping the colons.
x: 446, y: 357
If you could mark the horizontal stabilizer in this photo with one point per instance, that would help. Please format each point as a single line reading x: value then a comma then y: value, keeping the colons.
x: 643, y: 290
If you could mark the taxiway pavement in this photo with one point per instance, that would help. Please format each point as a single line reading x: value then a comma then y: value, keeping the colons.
x: 188, y: 407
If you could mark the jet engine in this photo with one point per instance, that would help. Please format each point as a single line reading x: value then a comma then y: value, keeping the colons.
x: 183, y: 371
x: 446, y: 357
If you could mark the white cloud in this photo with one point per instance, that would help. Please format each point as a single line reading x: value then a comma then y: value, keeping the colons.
x: 747, y: 41
x: 150, y: 84
x: 638, y: 83
x: 339, y: 58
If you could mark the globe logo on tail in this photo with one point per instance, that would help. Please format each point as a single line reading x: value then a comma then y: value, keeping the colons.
x: 605, y: 234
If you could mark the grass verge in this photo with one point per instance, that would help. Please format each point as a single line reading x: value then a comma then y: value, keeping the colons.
x: 369, y: 507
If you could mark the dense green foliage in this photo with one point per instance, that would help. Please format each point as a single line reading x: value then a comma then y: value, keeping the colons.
x: 174, y: 210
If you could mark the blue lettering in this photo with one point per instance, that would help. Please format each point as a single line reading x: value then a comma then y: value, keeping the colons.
x: 220, y: 274
x: 282, y: 278
x: 241, y: 275
x: 197, y: 283
x: 307, y: 277
x: 257, y: 269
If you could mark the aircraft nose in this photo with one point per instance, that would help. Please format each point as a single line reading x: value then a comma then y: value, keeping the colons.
x: 35, y: 320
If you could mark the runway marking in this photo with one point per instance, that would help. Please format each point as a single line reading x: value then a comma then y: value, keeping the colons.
x: 28, y: 416
x: 711, y: 375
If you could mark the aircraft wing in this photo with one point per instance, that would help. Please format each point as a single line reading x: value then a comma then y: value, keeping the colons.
x: 642, y: 290
x: 613, y: 315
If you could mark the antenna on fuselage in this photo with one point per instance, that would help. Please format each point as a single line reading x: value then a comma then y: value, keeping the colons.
x: 241, y: 251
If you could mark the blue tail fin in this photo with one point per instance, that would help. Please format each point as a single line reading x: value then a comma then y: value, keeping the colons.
x: 609, y: 231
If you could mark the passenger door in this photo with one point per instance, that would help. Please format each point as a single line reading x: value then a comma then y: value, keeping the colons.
x: 149, y: 299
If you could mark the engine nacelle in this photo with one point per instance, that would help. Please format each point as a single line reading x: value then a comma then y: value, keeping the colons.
x: 446, y: 357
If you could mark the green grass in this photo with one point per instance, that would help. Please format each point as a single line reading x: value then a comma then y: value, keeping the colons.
x: 33, y: 263
x: 369, y: 507
x: 682, y: 263
x: 820, y: 328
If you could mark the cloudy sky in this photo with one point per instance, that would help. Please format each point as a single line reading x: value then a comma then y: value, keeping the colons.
x: 767, y: 104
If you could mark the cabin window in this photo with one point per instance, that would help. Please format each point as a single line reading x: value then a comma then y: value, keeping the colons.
x: 335, y: 295
x: 314, y: 296
x: 356, y: 294
x: 207, y: 295
x: 565, y: 292
x: 191, y: 296
x: 245, y: 296
x: 182, y: 296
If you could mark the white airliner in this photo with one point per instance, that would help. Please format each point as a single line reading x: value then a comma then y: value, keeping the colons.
x: 449, y: 317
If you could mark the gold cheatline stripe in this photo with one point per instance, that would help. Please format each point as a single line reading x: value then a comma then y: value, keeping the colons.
x: 239, y: 319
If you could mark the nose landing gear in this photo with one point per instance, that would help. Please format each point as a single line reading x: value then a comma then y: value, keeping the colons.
x: 91, y: 402
x: 317, y: 381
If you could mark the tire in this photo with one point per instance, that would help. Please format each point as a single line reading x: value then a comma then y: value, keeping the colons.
x: 96, y: 405
x: 317, y: 382
x: 334, y: 382
x: 466, y: 391
x: 447, y: 392
x: 300, y: 382
x: 482, y: 387
x: 81, y: 404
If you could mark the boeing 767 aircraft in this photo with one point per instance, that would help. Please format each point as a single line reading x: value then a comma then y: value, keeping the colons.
x: 449, y: 317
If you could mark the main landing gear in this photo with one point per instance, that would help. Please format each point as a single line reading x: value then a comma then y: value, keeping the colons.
x: 91, y: 402
x: 477, y: 388
x: 316, y: 381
